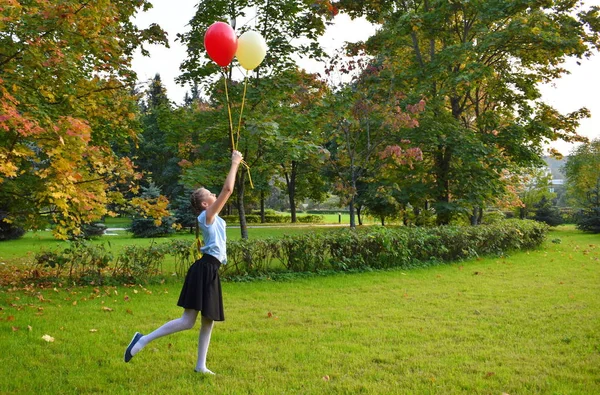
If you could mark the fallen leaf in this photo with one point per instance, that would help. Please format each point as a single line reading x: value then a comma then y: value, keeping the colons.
x: 129, y: 311
x: 93, y: 330
x: 74, y: 303
x: 48, y: 338
x: 326, y: 378
x: 29, y: 328
x: 15, y: 328
x: 10, y: 318
x: 104, y: 308
x: 269, y: 314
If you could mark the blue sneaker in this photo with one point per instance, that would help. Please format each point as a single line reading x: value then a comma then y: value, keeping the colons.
x: 133, y: 342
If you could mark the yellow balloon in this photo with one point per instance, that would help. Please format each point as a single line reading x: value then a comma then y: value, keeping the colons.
x: 251, y: 50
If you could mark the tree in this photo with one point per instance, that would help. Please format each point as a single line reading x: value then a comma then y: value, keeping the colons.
x: 365, y: 121
x: 533, y: 187
x: 295, y: 98
x: 581, y: 172
x: 588, y: 219
x: 478, y: 64
x: 290, y: 28
x: 154, y: 153
x: 547, y: 212
x: 65, y: 102
x: 148, y: 227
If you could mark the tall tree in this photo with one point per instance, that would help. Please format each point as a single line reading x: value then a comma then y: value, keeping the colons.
x: 295, y: 100
x: 65, y: 82
x: 154, y: 152
x: 365, y: 120
x: 582, y: 170
x: 478, y: 65
x: 290, y: 28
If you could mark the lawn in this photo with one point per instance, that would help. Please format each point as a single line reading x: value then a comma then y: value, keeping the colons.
x: 528, y: 323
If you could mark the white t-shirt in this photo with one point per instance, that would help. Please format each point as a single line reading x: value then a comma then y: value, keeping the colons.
x: 215, y: 238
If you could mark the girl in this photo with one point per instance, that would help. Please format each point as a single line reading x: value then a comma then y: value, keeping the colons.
x: 201, y: 290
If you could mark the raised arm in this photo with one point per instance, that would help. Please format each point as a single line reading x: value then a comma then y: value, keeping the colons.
x: 217, y: 206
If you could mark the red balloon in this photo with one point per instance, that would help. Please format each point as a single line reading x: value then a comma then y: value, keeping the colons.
x: 220, y: 42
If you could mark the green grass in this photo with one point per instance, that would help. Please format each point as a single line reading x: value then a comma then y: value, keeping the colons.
x: 524, y: 324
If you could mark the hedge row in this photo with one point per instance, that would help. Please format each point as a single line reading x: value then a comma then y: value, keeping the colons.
x: 274, y: 218
x: 378, y: 247
x: 342, y: 249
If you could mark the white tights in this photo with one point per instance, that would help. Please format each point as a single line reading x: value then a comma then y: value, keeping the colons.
x: 187, y: 321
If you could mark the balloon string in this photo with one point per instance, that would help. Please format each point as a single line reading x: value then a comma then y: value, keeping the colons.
x: 242, y: 110
x: 248, y: 170
x: 233, y: 145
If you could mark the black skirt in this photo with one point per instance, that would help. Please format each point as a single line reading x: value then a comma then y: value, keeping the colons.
x: 202, y: 288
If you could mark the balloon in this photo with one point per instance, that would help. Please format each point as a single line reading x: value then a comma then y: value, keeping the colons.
x: 221, y: 43
x: 251, y: 50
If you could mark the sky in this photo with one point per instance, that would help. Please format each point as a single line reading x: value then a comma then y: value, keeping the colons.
x: 579, y: 89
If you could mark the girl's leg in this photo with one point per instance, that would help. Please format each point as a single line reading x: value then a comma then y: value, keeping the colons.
x: 203, y: 342
x: 187, y: 321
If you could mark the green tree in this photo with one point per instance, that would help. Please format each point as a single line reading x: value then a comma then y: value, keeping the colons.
x: 534, y: 186
x: 364, y: 122
x: 546, y: 211
x: 478, y: 64
x: 142, y: 226
x: 581, y: 172
x: 290, y: 28
x: 295, y: 99
x: 65, y: 102
x: 154, y: 152
x: 588, y: 219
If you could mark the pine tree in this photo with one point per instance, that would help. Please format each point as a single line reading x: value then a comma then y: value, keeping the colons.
x: 547, y: 212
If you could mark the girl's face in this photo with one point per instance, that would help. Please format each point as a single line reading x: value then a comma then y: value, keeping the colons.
x: 207, y: 197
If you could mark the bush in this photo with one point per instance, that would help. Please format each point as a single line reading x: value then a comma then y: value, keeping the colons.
x: 589, y: 220
x: 93, y: 230
x: 81, y: 262
x: 145, y: 227
x: 378, y: 247
x: 9, y: 231
x: 546, y: 212
x: 310, y: 219
x: 341, y: 249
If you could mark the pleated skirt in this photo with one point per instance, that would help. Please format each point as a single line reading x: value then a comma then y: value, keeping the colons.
x: 202, y: 288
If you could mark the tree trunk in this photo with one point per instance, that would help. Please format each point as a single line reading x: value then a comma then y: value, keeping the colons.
x: 240, y: 205
x: 262, y: 207
x: 351, y: 208
x: 475, y: 216
x: 442, y: 171
x: 358, y: 214
x: 290, y: 180
x: 382, y: 220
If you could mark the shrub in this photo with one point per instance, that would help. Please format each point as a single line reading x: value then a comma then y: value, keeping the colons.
x: 95, y: 229
x: 9, y: 231
x: 310, y: 219
x: 341, y: 249
x: 145, y: 227
x: 546, y: 212
x: 138, y: 264
x: 83, y: 262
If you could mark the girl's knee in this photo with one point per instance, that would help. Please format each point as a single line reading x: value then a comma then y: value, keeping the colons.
x: 188, y: 319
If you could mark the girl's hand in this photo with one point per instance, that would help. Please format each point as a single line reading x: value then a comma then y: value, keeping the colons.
x: 236, y: 157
